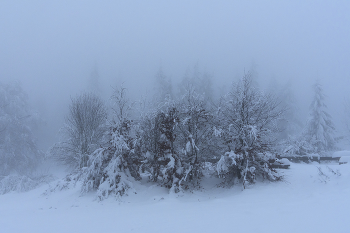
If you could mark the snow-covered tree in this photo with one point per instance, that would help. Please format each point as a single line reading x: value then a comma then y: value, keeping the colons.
x: 320, y: 128
x: 163, y: 161
x: 18, y: 149
x: 113, y: 168
x: 121, y: 105
x: 83, y: 131
x: 175, y: 141
x: 248, y: 128
x: 194, y: 134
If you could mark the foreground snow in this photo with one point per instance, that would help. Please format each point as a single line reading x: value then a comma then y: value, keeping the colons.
x: 305, y: 202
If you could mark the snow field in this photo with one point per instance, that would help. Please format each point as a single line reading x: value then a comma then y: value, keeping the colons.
x: 304, y: 202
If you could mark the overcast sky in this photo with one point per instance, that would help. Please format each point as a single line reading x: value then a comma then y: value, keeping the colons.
x: 52, y: 46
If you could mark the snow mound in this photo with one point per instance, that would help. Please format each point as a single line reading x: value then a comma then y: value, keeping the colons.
x: 344, y: 159
x: 341, y: 153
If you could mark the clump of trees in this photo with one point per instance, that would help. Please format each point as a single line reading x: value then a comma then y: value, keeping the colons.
x: 170, y: 143
x: 169, y: 140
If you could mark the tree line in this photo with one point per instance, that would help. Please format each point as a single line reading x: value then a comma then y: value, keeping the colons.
x: 170, y: 139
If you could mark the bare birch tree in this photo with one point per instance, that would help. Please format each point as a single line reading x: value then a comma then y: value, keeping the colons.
x: 83, y: 130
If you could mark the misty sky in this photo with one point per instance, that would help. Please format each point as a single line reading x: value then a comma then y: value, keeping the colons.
x: 52, y: 46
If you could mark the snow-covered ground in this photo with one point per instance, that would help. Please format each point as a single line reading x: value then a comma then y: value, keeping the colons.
x: 304, y: 202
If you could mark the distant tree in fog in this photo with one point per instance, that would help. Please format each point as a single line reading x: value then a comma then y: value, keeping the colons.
x: 291, y: 123
x: 320, y: 128
x: 18, y: 149
x: 163, y: 87
x: 83, y: 130
x: 200, y: 82
x: 94, y: 82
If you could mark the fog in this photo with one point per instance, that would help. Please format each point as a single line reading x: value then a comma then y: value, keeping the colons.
x: 52, y: 47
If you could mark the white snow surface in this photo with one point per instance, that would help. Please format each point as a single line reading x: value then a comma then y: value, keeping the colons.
x: 304, y: 202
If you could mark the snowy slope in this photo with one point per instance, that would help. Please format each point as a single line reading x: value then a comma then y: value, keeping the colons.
x: 305, y: 202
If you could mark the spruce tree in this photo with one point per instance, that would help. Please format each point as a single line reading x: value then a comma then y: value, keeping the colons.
x: 320, y: 128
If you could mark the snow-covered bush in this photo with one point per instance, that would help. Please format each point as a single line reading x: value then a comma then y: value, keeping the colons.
x: 238, y: 168
x: 106, y: 175
x: 19, y: 183
x: 297, y: 146
x: 68, y: 182
x: 227, y: 165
